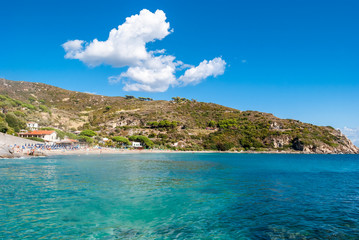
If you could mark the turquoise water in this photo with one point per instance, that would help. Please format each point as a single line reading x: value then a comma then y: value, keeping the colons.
x: 180, y: 196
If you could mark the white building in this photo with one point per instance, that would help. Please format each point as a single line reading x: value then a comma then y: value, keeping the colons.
x: 136, y: 144
x: 32, y: 125
x: 47, y: 135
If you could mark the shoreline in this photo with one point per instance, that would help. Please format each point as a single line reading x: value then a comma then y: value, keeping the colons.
x: 50, y: 153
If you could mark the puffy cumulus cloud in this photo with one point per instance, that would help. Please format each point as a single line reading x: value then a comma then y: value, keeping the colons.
x: 352, y: 134
x: 125, y: 45
x: 151, y: 71
x: 154, y: 75
x: 195, y: 75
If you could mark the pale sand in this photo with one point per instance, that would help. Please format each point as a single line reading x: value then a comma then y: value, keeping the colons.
x: 96, y: 151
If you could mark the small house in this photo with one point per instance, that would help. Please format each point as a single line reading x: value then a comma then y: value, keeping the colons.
x: 136, y: 145
x: 47, y: 135
x: 32, y: 125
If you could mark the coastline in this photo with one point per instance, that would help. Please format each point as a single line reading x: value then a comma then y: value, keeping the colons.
x: 107, y: 151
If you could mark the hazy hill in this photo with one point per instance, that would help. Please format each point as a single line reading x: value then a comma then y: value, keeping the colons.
x: 181, y: 123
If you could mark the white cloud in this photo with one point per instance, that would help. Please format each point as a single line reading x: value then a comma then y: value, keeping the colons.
x: 151, y: 71
x: 125, y: 45
x: 195, y: 75
x: 352, y: 134
x: 155, y: 75
x: 73, y: 48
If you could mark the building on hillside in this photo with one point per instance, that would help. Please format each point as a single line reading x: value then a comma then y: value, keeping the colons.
x: 47, y: 135
x: 136, y: 145
x: 32, y: 125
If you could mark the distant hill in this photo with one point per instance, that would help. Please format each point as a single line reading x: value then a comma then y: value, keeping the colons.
x: 178, y: 124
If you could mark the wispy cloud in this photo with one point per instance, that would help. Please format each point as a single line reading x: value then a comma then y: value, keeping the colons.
x: 151, y: 71
x: 352, y: 134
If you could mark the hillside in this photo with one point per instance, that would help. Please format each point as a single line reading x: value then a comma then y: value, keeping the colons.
x: 178, y: 124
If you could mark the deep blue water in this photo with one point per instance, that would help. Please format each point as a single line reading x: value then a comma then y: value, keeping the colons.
x: 180, y: 196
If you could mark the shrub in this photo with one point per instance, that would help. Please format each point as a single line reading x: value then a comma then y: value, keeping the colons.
x: 15, y: 122
x: 29, y: 106
x: 212, y: 124
x: 152, y: 135
x: 88, y: 133
x: 4, y: 127
x: 32, y: 99
x: 19, y: 114
x: 120, y: 139
x: 44, y: 108
x: 86, y: 139
x: 225, y: 146
x: 163, y: 124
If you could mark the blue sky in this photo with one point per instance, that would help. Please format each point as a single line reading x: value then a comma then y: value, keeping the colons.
x: 295, y: 59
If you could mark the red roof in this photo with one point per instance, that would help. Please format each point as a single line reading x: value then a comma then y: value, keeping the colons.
x: 39, y: 132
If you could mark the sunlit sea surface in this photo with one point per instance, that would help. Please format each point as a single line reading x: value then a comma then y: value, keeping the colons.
x: 180, y: 196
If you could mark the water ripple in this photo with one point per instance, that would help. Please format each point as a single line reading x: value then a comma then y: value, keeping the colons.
x: 180, y: 196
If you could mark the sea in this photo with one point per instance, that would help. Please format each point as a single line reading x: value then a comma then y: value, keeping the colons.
x: 180, y: 196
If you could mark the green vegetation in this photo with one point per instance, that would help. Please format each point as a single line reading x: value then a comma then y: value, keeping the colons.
x: 29, y: 106
x: 181, y: 123
x: 145, y: 99
x: 61, y: 134
x: 4, y: 127
x: 121, y: 140
x: 15, y: 122
x: 88, y: 133
x: 142, y: 139
x: 86, y: 139
x: 179, y: 100
x: 163, y: 124
x: 44, y: 108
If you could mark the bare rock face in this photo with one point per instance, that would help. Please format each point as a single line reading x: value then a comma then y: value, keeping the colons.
x: 342, y: 145
x: 275, y: 126
x: 6, y: 152
x: 281, y: 141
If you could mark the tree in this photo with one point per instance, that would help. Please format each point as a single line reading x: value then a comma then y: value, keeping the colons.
x: 88, y: 133
x: 142, y: 139
x: 129, y: 97
x: 86, y: 139
x: 212, y: 124
x: 121, y: 140
x: 15, y: 122
x: 4, y: 127
x: 163, y: 124
x: 145, y: 99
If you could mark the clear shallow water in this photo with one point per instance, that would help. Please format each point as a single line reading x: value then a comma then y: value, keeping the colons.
x: 180, y: 196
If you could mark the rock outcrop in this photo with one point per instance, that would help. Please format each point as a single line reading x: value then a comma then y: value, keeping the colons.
x: 6, y: 152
